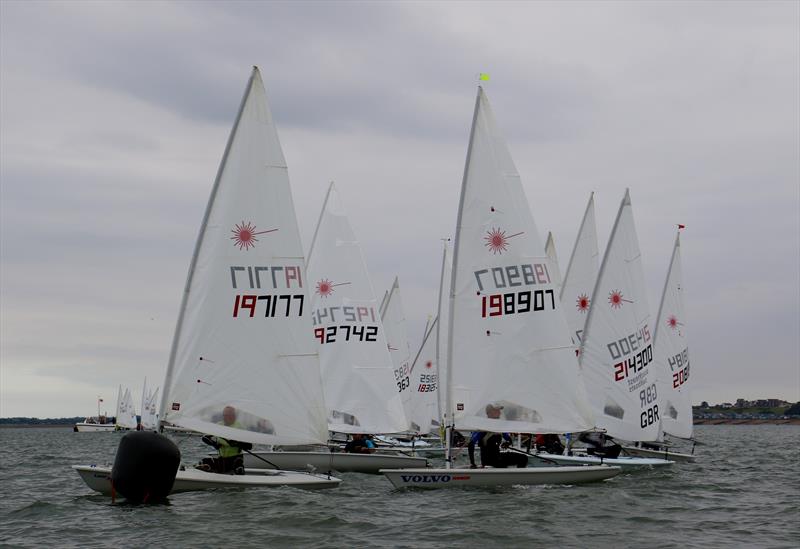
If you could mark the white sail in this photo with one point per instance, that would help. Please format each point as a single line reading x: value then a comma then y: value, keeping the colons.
x: 394, y: 323
x: 244, y: 336
x: 617, y: 348
x: 509, y: 347
x: 555, y: 269
x: 119, y: 404
x: 150, y: 411
x: 145, y: 397
x: 127, y: 412
x: 425, y: 384
x: 581, y: 275
x: 357, y: 371
x: 671, y: 353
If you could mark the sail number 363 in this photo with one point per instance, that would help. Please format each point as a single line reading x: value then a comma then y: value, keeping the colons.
x: 517, y: 302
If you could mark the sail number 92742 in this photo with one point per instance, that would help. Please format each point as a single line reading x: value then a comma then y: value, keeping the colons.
x: 346, y: 333
x: 517, y: 302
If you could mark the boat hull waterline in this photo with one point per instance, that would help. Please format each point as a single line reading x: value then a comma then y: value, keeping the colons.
x: 454, y: 478
x: 98, y: 478
x: 623, y: 462
x: 662, y: 454
x: 95, y: 427
x: 336, y: 461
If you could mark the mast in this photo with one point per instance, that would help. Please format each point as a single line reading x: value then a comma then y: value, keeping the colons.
x: 450, y: 424
x: 438, y: 322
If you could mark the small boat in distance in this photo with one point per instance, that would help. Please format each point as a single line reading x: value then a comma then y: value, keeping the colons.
x: 98, y: 423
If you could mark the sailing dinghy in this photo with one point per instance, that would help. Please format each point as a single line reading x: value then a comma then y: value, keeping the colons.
x: 507, y: 343
x: 616, y: 352
x: 671, y: 358
x: 363, y: 387
x: 244, y: 336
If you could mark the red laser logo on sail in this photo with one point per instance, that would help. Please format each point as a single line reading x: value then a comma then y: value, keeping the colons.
x: 429, y: 364
x: 615, y: 299
x: 244, y: 235
x: 325, y: 287
x: 582, y: 303
x: 497, y: 241
x: 673, y: 323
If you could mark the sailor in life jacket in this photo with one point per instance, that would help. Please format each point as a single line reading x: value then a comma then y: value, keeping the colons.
x: 230, y: 458
x: 490, y: 443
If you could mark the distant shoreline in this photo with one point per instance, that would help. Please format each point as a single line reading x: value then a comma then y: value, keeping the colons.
x: 36, y: 425
x: 793, y: 421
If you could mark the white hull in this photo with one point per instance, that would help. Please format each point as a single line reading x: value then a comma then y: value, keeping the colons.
x: 623, y: 462
x: 449, y: 478
x: 663, y: 454
x: 84, y: 427
x: 191, y: 480
x: 336, y: 461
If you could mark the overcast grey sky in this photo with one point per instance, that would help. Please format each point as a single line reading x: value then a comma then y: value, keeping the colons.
x: 114, y: 116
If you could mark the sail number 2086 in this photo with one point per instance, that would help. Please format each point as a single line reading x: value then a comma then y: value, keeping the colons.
x: 517, y: 302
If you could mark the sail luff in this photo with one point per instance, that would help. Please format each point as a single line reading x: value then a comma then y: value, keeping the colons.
x: 589, y: 207
x: 448, y: 416
x: 552, y: 255
x: 626, y: 201
x: 198, y: 244
x: 319, y: 222
x: 675, y: 249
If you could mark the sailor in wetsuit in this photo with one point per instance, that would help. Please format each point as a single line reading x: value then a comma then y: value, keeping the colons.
x: 601, y: 445
x: 490, y: 443
x: 360, y: 444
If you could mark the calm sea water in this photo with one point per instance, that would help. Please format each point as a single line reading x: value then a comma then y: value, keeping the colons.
x: 744, y: 492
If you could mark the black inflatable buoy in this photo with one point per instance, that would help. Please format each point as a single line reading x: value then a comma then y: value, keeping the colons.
x: 145, y: 467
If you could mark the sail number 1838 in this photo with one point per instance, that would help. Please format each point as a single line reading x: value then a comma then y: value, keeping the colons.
x: 517, y: 302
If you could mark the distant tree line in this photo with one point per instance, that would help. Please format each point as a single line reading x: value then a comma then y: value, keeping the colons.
x: 38, y: 421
